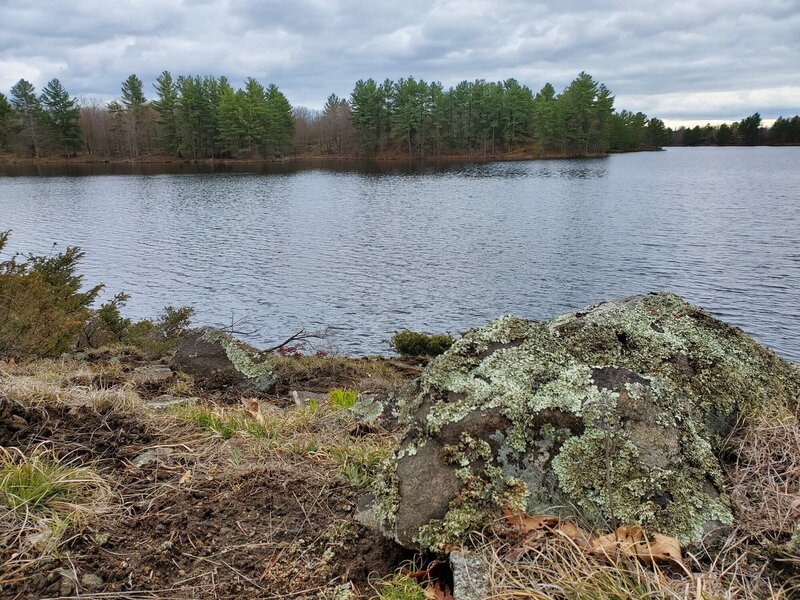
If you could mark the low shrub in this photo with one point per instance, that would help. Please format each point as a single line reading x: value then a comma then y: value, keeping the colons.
x: 413, y: 343
x: 44, y: 312
x: 154, y: 338
x: 42, y: 307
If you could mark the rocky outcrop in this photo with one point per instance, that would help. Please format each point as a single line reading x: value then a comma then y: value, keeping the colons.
x: 218, y: 360
x: 615, y: 413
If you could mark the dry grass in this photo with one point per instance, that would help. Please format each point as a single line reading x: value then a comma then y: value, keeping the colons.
x: 555, y: 567
x: 764, y: 480
x: 317, y: 436
x: 321, y: 373
x: 68, y: 382
x: 43, y: 498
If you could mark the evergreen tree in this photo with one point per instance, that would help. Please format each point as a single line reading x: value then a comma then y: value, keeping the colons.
x: 29, y: 110
x: 134, y: 101
x: 545, y: 117
x: 749, y: 129
x: 280, y: 124
x: 334, y: 122
x: 230, y: 120
x: 369, y: 105
x: 167, y: 107
x: 62, y: 113
x: 6, y: 121
x: 254, y: 114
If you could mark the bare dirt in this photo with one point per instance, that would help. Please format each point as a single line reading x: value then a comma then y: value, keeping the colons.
x: 191, y: 526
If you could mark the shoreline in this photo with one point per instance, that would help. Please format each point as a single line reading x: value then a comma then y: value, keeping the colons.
x: 166, y: 160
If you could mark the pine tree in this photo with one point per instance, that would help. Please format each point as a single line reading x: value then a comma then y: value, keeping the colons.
x: 134, y: 101
x: 29, y: 110
x: 280, y: 124
x: 167, y: 106
x: 6, y: 121
x: 62, y: 114
x: 230, y: 120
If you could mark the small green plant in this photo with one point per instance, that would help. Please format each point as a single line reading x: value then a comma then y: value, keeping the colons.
x: 216, y: 421
x: 48, y: 493
x: 399, y: 587
x: 342, y: 399
x: 409, y: 343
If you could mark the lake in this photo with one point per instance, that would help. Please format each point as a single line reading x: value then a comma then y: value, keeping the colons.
x: 367, y: 248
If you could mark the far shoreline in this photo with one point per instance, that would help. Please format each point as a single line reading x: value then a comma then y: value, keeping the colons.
x: 155, y: 160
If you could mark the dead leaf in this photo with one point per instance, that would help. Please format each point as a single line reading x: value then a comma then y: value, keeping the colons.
x: 633, y: 542
x: 253, y: 410
x: 436, y: 592
x: 185, y: 477
x: 582, y: 538
x: 625, y: 542
x: 528, y: 523
x: 11, y: 363
x: 660, y: 549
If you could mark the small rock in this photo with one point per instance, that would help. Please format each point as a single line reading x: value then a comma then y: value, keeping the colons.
x: 302, y: 398
x: 167, y: 400
x: 470, y: 576
x: 91, y: 581
x: 151, y: 456
x: 368, y: 408
x: 16, y: 423
x: 152, y: 375
x: 365, y: 513
x: 67, y: 582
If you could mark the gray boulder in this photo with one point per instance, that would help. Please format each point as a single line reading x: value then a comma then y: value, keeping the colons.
x: 218, y: 360
x: 614, y: 414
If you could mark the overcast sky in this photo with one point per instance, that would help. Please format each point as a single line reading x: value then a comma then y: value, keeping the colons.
x: 707, y: 60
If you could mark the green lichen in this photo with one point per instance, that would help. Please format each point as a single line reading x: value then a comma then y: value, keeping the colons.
x: 642, y: 453
x: 483, y: 493
x: 253, y: 365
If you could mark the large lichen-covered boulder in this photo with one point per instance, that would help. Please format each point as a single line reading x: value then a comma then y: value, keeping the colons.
x: 615, y: 414
x: 219, y: 360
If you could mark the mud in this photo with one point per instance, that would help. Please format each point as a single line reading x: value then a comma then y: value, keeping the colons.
x: 228, y: 531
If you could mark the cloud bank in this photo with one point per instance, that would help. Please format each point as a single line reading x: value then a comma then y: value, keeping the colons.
x: 681, y: 61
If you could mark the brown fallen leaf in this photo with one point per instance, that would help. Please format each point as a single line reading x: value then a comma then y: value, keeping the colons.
x: 633, y: 542
x: 185, y: 477
x: 528, y: 523
x: 253, y: 410
x: 436, y: 592
x: 582, y: 538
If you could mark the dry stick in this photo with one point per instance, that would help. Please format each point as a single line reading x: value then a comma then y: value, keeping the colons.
x: 243, y: 576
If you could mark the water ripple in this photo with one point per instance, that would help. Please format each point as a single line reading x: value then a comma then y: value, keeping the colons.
x: 367, y: 250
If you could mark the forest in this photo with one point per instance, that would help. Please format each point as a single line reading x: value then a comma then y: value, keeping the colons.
x: 194, y: 117
x: 747, y: 132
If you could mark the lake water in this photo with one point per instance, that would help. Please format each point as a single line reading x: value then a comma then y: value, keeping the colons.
x: 365, y: 249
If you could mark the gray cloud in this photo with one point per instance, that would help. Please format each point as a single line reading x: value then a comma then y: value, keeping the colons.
x: 716, y: 59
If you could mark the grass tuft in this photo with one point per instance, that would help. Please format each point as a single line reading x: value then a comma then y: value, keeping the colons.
x: 47, y: 495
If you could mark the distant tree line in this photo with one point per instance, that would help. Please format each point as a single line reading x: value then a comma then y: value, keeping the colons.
x: 412, y: 117
x: 195, y: 117
x: 189, y: 117
x: 747, y: 132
